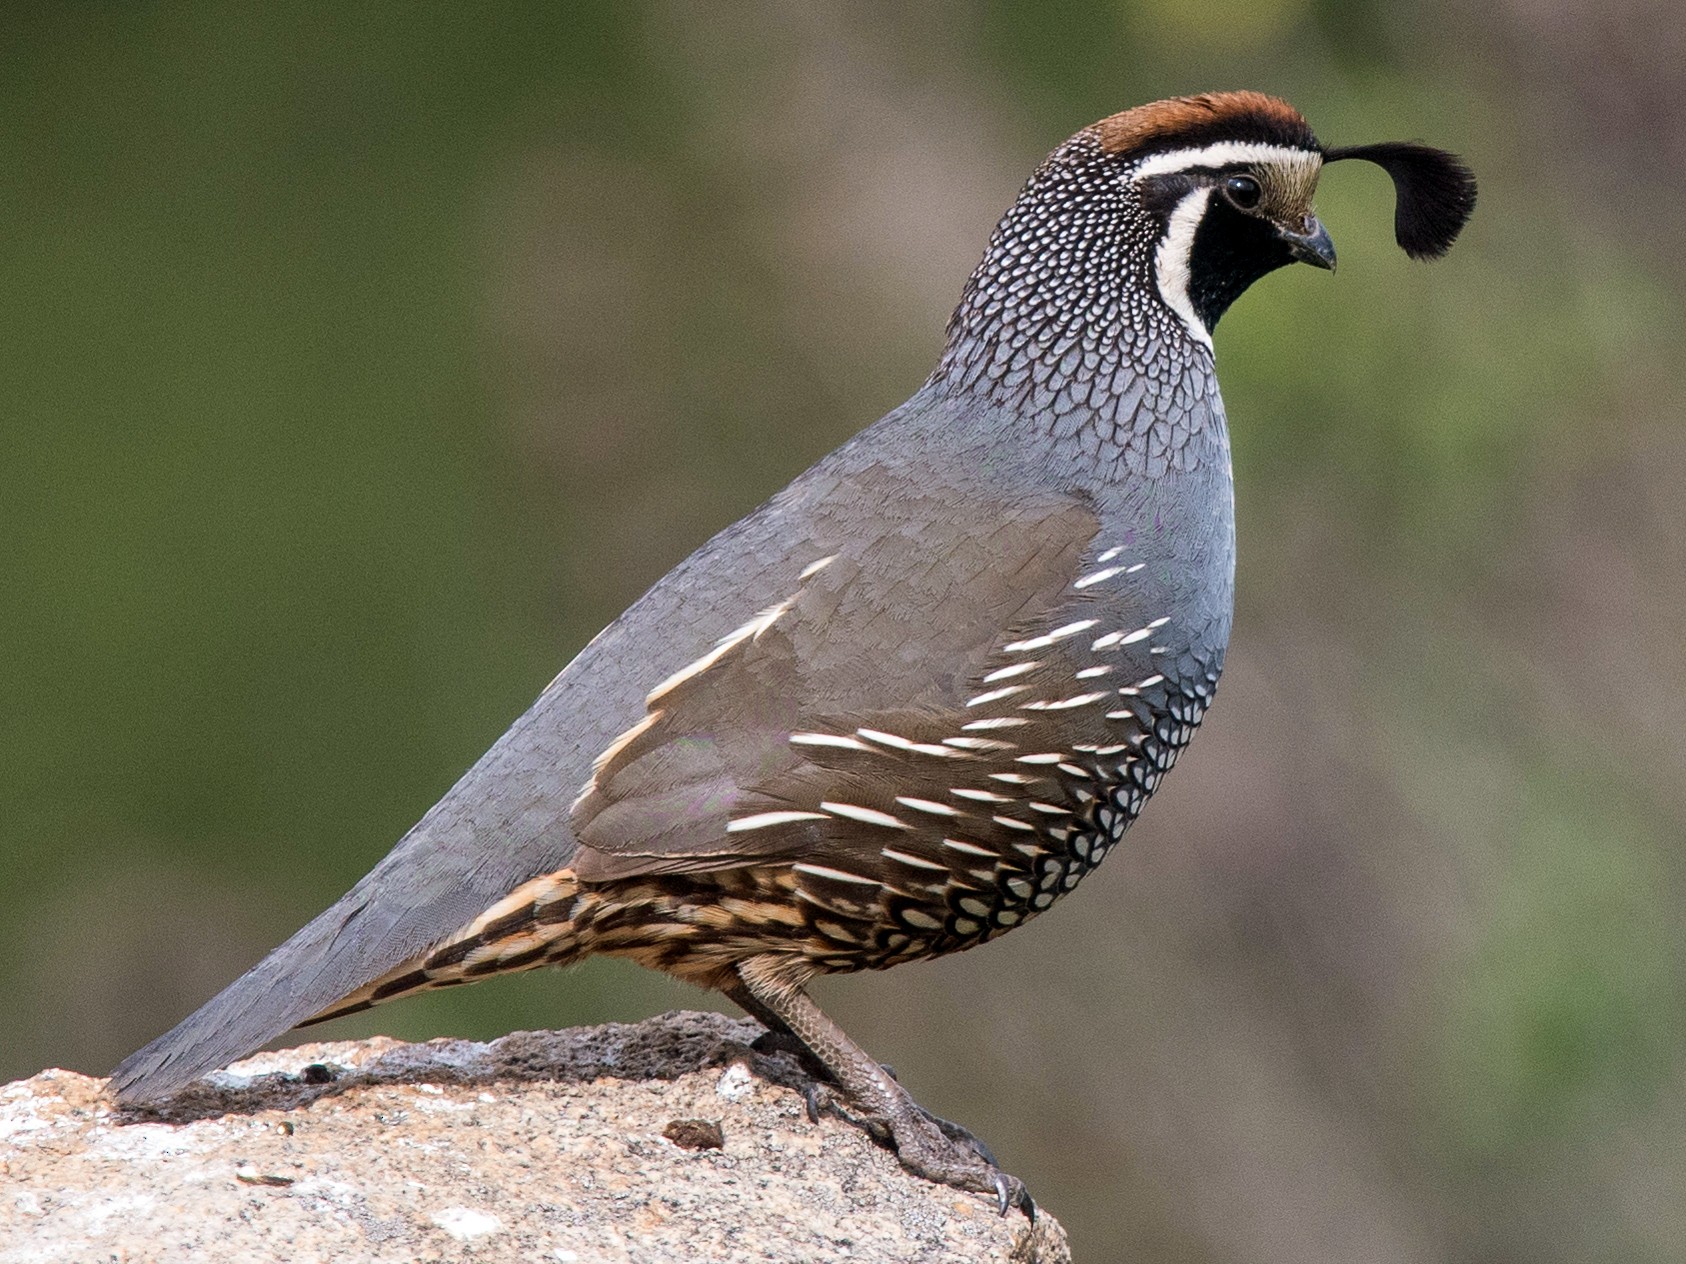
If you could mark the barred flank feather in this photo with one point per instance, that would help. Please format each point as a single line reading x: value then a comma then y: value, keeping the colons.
x: 528, y: 928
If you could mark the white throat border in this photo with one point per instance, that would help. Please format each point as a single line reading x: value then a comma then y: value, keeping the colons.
x: 1171, y: 258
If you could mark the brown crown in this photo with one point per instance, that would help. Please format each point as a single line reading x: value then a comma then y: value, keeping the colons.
x: 1184, y: 122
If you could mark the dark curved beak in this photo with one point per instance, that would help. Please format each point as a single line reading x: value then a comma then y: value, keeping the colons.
x: 1312, y: 246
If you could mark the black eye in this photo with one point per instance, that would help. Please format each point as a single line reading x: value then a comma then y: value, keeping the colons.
x: 1244, y: 191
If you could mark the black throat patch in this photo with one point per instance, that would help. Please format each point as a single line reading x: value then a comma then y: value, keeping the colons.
x: 1231, y: 250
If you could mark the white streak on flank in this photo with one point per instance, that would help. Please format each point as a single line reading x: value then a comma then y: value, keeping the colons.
x: 1160, y: 622
x: 1122, y: 715
x: 814, y: 568
x: 1052, y: 757
x: 621, y: 743
x: 1110, y: 554
x: 1064, y: 704
x: 835, y: 875
x: 1012, y: 778
x: 829, y: 739
x: 1072, y: 770
x: 1158, y: 649
x: 761, y: 820
x: 1006, y: 673
x: 977, y: 743
x: 1129, y: 691
x: 1171, y: 259
x: 970, y: 849
x: 1138, y: 566
x: 1011, y: 823
x: 926, y: 805
x: 1058, y: 634
x: 748, y: 632
x: 1033, y: 850
x: 1140, y: 634
x: 995, y: 695
x: 1095, y: 577
x: 1089, y: 673
x: 1001, y: 722
x: 1224, y: 153
x: 1106, y: 642
x: 908, y: 858
x: 979, y: 796
x: 1149, y: 682
x: 902, y: 743
x: 1048, y: 809
x: 866, y: 816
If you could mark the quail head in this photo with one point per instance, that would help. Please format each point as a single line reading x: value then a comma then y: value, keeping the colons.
x: 913, y: 699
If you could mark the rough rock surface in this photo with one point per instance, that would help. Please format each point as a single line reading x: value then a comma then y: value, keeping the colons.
x: 594, y: 1145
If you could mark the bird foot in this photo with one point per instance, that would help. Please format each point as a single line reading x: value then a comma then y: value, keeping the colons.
x: 929, y: 1146
x: 949, y: 1154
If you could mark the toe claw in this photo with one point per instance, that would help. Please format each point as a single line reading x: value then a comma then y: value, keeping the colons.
x: 1010, y: 1192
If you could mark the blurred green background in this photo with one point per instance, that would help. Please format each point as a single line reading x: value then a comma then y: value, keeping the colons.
x: 359, y: 362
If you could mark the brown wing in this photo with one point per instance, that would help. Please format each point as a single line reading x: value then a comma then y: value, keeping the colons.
x: 874, y: 654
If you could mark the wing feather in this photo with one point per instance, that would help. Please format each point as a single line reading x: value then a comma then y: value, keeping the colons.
x: 885, y: 639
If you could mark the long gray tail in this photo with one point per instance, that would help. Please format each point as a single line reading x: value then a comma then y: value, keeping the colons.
x: 496, y: 829
x: 502, y: 825
x: 527, y: 929
x: 334, y: 955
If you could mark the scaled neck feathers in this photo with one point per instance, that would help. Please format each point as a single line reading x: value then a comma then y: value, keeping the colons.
x: 1062, y: 322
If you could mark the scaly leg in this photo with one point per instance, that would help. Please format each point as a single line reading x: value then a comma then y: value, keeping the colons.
x: 779, y: 1038
x: 927, y: 1146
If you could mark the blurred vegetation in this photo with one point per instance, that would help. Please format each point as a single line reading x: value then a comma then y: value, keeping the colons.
x: 361, y: 362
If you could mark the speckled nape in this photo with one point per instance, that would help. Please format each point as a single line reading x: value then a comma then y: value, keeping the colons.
x: 1062, y: 323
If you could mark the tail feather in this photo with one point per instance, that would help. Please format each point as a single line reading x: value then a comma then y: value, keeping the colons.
x: 308, y: 979
x: 526, y: 929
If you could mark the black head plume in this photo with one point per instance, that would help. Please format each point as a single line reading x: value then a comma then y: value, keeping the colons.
x: 1434, y: 193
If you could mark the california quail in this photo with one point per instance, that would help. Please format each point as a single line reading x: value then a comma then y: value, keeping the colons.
x: 915, y: 697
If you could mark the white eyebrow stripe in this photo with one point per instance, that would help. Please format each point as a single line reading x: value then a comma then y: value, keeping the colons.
x: 1222, y: 154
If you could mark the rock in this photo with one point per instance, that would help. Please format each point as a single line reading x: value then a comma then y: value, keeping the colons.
x: 595, y: 1145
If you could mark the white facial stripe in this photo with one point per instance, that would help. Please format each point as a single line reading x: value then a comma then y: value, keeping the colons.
x: 1170, y: 262
x: 1222, y: 154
